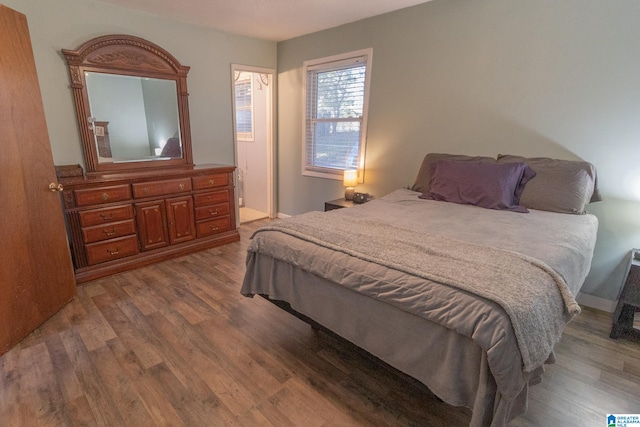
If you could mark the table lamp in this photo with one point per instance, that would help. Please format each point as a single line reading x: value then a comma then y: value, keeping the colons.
x: 350, y: 180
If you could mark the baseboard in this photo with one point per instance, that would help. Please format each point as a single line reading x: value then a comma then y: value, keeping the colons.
x: 281, y: 215
x: 596, y: 302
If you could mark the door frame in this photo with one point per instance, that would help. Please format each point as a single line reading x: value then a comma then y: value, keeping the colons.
x: 271, y: 109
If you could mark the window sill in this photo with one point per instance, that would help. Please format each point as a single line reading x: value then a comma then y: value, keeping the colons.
x: 327, y: 175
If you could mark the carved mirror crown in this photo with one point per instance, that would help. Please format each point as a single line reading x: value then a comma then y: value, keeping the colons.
x: 131, y: 104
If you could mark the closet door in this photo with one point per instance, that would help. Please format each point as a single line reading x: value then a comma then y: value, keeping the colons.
x: 36, y: 274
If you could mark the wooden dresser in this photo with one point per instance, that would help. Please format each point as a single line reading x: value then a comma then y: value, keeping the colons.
x: 122, y: 221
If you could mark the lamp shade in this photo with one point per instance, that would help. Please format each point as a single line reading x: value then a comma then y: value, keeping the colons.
x: 350, y: 178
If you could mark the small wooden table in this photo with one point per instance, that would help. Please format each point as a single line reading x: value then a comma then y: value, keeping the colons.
x: 628, y: 301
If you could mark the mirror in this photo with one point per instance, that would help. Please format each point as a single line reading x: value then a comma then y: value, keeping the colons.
x: 133, y: 117
x: 131, y: 105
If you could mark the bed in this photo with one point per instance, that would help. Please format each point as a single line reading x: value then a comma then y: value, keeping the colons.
x: 468, y: 299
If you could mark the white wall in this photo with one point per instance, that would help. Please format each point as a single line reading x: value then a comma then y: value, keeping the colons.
x: 66, y: 24
x: 535, y: 78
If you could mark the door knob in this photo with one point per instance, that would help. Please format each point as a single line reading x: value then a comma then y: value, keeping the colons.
x: 55, y: 187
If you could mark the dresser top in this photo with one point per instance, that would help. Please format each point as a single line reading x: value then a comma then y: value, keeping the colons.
x: 145, y: 174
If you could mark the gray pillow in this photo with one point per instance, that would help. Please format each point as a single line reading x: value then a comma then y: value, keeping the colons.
x: 565, y: 186
x: 424, y: 174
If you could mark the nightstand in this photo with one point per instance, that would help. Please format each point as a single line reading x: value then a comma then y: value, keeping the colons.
x: 338, y: 204
x: 628, y: 301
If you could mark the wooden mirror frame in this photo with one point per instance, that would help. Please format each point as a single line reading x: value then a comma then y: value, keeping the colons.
x: 131, y: 56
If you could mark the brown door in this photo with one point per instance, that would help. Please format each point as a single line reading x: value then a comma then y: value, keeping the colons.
x: 36, y: 274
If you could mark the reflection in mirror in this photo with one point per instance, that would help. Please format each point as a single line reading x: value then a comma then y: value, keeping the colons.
x: 133, y: 118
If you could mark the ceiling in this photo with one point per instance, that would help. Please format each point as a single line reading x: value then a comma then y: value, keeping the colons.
x: 275, y: 20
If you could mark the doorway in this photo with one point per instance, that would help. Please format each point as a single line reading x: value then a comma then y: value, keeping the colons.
x: 253, y: 91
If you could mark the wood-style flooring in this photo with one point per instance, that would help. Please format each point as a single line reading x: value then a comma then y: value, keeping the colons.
x: 175, y: 344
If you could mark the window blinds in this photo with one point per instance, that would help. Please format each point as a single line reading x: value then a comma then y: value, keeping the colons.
x: 244, y: 110
x: 335, y: 105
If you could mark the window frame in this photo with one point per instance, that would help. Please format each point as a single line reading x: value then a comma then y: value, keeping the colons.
x: 336, y: 62
x: 244, y: 136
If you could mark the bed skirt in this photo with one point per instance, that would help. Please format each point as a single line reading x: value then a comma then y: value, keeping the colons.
x: 451, y: 365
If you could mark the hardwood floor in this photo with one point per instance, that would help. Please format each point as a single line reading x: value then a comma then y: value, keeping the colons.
x: 175, y: 344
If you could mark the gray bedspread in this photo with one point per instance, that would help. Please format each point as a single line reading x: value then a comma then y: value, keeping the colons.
x: 536, y: 298
x: 485, y: 274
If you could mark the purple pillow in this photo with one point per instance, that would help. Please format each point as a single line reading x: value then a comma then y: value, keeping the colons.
x: 487, y: 185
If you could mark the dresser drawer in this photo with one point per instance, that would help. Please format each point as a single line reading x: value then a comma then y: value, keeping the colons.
x: 213, y: 198
x: 105, y: 215
x: 108, y: 231
x: 208, y: 212
x: 111, y: 249
x: 97, y: 196
x: 213, y: 226
x: 159, y: 188
x: 210, y: 181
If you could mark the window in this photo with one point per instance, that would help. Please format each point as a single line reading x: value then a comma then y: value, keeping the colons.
x: 335, y: 121
x: 244, y: 107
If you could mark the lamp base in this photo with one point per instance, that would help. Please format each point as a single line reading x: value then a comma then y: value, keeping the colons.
x: 348, y: 193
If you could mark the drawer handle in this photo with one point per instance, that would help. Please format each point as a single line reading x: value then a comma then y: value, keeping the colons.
x: 104, y: 196
x: 110, y: 233
x: 213, y: 227
x: 145, y: 191
x: 107, y: 217
x: 181, y: 186
x: 212, y: 181
x: 113, y: 252
x: 209, y: 198
x: 212, y: 212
